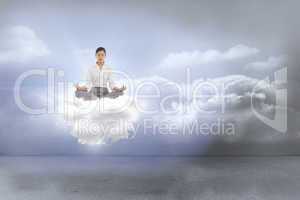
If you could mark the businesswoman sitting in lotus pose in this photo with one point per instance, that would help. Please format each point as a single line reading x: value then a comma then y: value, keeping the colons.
x: 98, y: 77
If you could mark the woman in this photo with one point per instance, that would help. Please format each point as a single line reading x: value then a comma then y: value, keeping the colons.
x: 98, y: 77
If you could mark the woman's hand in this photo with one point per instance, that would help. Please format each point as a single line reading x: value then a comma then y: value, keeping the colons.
x: 81, y: 88
x: 121, y: 89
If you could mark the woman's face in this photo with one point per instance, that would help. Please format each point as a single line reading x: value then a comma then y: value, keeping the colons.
x: 100, y: 56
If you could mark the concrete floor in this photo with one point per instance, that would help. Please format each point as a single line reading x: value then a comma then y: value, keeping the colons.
x: 91, y: 178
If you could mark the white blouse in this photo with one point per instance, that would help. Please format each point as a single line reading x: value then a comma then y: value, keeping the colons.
x: 96, y: 77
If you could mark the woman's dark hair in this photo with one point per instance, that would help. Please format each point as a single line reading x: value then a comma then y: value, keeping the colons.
x: 100, y: 49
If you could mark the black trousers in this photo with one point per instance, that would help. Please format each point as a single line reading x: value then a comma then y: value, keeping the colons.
x: 97, y: 92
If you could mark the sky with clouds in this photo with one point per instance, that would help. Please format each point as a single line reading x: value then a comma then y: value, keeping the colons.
x: 231, y: 43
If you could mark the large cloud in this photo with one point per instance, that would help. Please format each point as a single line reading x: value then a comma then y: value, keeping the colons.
x: 221, y: 99
x: 20, y: 44
x: 268, y: 65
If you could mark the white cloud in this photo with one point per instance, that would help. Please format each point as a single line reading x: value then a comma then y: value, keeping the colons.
x: 234, y: 99
x: 187, y: 58
x: 20, y: 44
x: 270, y: 64
x: 100, y: 121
